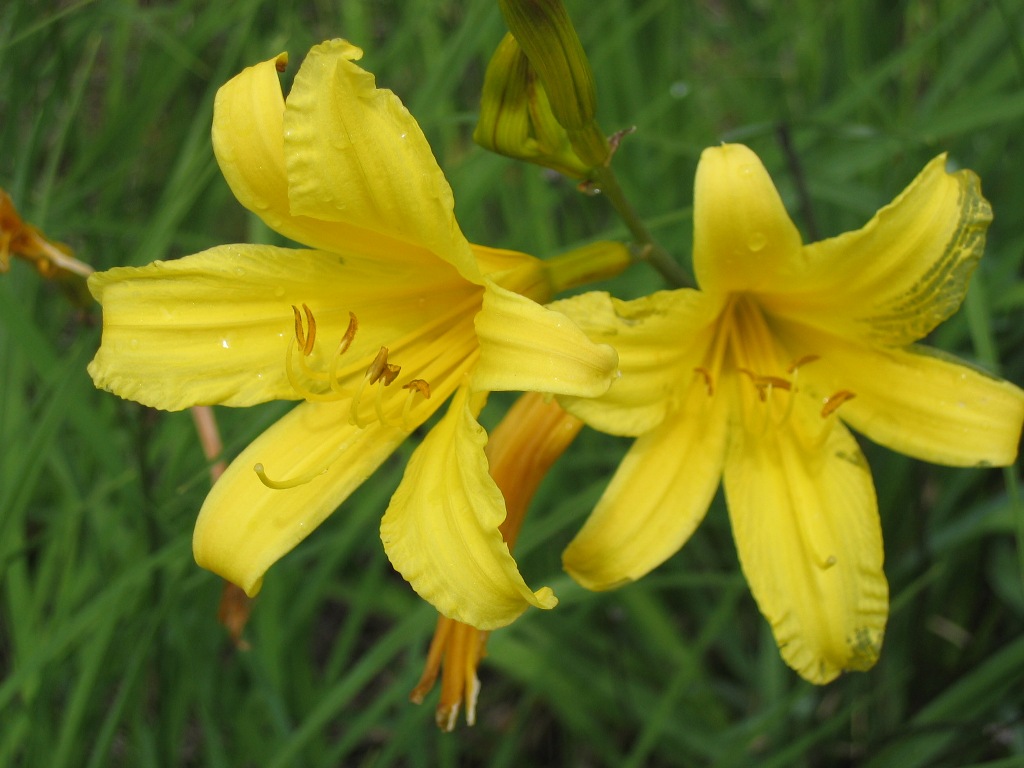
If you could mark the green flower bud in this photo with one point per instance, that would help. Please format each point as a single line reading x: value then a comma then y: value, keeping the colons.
x: 545, y: 32
x: 516, y: 117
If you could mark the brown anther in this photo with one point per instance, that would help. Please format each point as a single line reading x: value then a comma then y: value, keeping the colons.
x: 774, y: 382
x: 764, y: 384
x: 834, y: 401
x: 391, y: 373
x: 380, y: 368
x: 350, y: 334
x: 802, y: 362
x: 304, y: 341
x: 420, y: 386
x: 708, y: 382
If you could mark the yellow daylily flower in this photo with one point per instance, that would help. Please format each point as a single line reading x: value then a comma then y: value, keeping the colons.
x: 388, y: 312
x: 751, y: 378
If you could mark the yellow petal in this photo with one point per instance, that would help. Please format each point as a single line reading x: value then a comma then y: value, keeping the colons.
x: 355, y: 155
x: 916, y: 400
x: 441, y: 528
x: 805, y: 520
x: 743, y: 239
x: 248, y: 140
x: 660, y: 339
x: 902, y: 274
x: 526, y: 347
x: 214, y: 327
x: 244, y: 527
x: 656, y: 499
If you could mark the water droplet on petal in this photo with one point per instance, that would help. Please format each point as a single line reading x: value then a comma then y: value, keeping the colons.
x: 756, y: 241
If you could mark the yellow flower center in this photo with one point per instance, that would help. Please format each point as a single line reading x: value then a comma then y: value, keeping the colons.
x: 745, y: 348
x: 326, y: 386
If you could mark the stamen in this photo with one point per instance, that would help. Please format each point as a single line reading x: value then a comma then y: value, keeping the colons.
x: 379, y: 371
x: 380, y: 368
x: 353, y: 411
x: 765, y: 384
x: 709, y: 384
x: 305, y: 342
x: 420, y: 386
x: 343, y: 345
x: 832, y: 402
x: 414, y: 386
x: 350, y: 334
x: 802, y: 362
x: 304, y: 391
x: 378, y: 404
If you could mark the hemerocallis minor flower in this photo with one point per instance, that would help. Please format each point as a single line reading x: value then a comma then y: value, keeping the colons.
x: 753, y: 378
x: 386, y: 313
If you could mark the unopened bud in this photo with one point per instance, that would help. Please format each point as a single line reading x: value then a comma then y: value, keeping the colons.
x: 516, y: 118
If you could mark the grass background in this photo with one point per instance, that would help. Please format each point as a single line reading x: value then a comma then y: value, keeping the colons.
x: 110, y: 653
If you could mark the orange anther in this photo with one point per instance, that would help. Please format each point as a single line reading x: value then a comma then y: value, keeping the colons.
x: 420, y: 386
x: 380, y: 368
x: 708, y: 382
x: 764, y: 384
x: 350, y: 334
x: 834, y: 401
x: 801, y: 362
x: 304, y: 341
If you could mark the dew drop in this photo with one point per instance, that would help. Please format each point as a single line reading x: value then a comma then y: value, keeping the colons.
x: 679, y: 89
x: 134, y: 343
x: 225, y: 343
x: 756, y: 241
x: 279, y: 292
x: 239, y: 271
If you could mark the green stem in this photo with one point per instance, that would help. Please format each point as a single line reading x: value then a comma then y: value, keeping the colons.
x: 645, y: 248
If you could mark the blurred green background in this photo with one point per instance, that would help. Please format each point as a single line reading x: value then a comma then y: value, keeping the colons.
x: 110, y: 653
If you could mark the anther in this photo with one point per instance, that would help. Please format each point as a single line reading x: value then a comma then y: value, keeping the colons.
x: 419, y: 385
x: 350, y: 334
x: 802, y: 362
x: 709, y: 384
x: 380, y: 368
x: 765, y: 384
x: 304, y: 341
x: 832, y: 402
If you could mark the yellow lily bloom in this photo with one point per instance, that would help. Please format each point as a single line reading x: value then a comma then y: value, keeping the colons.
x: 387, y: 313
x: 751, y: 378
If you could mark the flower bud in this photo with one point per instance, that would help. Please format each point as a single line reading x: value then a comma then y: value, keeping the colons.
x: 516, y: 118
x: 545, y: 32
